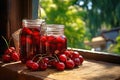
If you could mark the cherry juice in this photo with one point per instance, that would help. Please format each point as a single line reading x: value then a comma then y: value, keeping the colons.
x: 54, y: 41
x: 30, y: 39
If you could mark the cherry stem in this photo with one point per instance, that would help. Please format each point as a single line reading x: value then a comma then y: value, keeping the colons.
x: 39, y: 59
x: 5, y: 41
x: 49, y: 57
x: 57, y: 57
x: 52, y: 59
x: 36, y: 56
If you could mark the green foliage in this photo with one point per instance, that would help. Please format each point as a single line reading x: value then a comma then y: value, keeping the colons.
x: 101, y: 13
x: 116, y: 48
x: 70, y: 15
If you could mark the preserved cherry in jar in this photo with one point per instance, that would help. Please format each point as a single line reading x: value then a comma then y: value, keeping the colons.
x: 30, y: 38
x: 54, y: 40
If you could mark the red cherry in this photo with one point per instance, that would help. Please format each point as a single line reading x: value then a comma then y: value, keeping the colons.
x: 27, y: 31
x: 70, y: 64
x: 75, y: 54
x: 43, y: 39
x: 36, y: 36
x: 53, y: 46
x: 60, y: 46
x: 36, y: 29
x: 25, y: 40
x: 6, y: 58
x: 28, y: 40
x: 22, y: 40
x: 67, y: 53
x: 60, y: 39
x: 35, y: 59
x: 50, y: 64
x: 77, y: 61
x: 15, y: 56
x: 60, y: 66
x: 12, y: 48
x: 45, y: 60
x: 34, y: 66
x: 8, y: 51
x: 54, y: 62
x: 42, y: 66
x: 36, y: 33
x: 52, y: 39
x: 81, y: 58
x: 47, y: 44
x: 62, y: 57
x: 29, y: 63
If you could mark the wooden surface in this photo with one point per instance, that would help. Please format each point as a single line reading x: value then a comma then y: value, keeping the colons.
x: 89, y: 70
x: 99, y: 56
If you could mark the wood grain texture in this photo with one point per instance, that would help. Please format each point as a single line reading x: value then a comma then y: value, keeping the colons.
x: 99, y: 56
x: 89, y: 70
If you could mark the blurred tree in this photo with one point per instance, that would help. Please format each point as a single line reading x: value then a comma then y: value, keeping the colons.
x: 116, y: 47
x: 101, y: 13
x: 67, y: 13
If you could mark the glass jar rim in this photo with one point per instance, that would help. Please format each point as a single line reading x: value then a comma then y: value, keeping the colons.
x: 33, y: 21
x: 58, y: 26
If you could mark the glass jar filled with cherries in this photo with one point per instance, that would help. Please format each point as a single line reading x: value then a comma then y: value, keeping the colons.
x: 30, y: 36
x: 54, y: 41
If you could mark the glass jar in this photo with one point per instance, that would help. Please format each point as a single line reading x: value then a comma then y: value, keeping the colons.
x: 54, y: 41
x: 30, y: 38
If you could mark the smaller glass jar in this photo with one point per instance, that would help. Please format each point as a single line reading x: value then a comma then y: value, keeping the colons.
x: 30, y: 38
x: 54, y: 40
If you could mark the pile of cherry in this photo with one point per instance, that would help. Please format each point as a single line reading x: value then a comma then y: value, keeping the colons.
x: 68, y: 59
x: 10, y: 55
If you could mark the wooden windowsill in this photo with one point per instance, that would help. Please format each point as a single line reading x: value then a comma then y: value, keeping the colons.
x: 95, y: 67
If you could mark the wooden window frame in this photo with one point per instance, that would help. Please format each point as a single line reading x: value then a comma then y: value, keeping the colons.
x: 12, y: 13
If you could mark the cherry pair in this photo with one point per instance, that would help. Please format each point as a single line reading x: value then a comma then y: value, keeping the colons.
x: 10, y: 54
